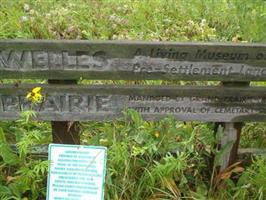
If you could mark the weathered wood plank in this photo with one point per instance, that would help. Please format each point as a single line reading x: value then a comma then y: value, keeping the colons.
x: 231, y: 135
x: 254, y: 151
x: 105, y: 102
x: 132, y: 60
x: 234, y: 92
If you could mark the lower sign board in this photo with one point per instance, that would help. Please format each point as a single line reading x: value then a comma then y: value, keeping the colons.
x: 76, y: 172
x: 153, y: 102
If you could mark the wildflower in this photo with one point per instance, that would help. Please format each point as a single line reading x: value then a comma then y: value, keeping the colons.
x: 203, y: 22
x: 32, y: 12
x: 114, y: 26
x: 26, y: 7
x: 112, y: 17
x: 24, y: 18
x: 35, y: 95
x: 157, y: 134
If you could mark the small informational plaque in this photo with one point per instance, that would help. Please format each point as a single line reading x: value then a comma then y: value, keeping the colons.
x: 76, y: 172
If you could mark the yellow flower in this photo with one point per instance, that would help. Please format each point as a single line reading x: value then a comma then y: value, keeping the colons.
x: 35, y: 95
x: 157, y: 134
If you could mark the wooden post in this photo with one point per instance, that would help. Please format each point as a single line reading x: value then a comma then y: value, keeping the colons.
x: 232, y: 133
x: 65, y: 132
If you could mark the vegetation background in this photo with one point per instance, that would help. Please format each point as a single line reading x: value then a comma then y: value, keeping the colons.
x: 146, y: 161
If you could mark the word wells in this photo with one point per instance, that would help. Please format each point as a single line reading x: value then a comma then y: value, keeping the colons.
x: 46, y: 60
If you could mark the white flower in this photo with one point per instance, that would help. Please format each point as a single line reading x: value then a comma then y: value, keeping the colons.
x: 114, y: 26
x: 26, y: 7
x: 112, y: 17
x: 24, y: 18
x: 32, y: 12
x: 203, y: 22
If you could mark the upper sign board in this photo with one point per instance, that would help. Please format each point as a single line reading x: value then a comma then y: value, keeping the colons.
x: 132, y: 60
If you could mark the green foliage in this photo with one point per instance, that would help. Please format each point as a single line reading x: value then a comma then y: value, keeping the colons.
x: 168, y: 160
x: 147, y: 160
x: 22, y: 177
x: 183, y: 20
x: 254, y: 135
x: 252, y: 183
x: 8, y: 156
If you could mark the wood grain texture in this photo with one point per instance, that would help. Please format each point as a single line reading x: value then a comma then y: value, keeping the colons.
x: 106, y: 102
x: 131, y: 60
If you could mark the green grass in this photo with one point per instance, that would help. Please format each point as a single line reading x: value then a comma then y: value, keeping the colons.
x: 146, y: 161
x: 163, y: 20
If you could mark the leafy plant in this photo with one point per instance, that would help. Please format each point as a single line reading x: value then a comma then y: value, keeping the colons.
x: 22, y: 177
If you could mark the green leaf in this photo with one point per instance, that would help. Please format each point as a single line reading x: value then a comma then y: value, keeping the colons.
x: 4, y: 192
x: 223, y: 151
x: 9, y: 157
x: 15, y: 189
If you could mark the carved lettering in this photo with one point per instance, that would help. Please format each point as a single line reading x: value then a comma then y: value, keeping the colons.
x: 197, y: 108
x: 15, y: 59
x: 182, y: 109
x: 149, y: 98
x: 204, y: 110
x: 209, y: 55
x: 211, y: 70
x: 141, y: 109
x: 69, y: 60
x: 157, y: 61
x: 83, y: 59
x: 51, y: 60
x: 168, y: 53
x: 10, y: 103
x: 103, y: 103
x: 55, y: 60
x: 24, y: 104
x: 51, y: 104
x: 77, y: 103
x: 234, y: 110
x: 99, y: 60
x: 261, y: 56
x: 40, y: 59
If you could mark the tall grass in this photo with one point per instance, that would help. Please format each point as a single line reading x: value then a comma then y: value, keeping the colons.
x: 174, y: 20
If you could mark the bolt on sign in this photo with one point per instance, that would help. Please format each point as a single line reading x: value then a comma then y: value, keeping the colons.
x: 76, y: 172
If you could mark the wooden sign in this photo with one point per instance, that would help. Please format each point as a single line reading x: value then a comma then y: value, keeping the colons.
x: 132, y: 60
x: 76, y: 172
x: 106, y: 102
x: 65, y: 62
